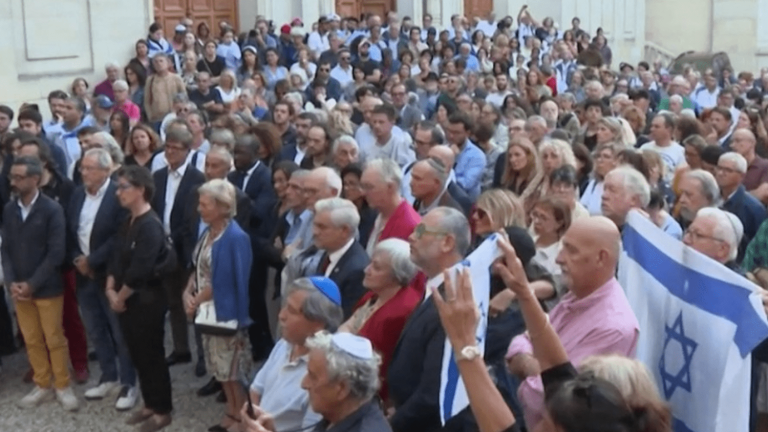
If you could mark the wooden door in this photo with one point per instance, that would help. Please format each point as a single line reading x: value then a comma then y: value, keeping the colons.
x: 477, y: 8
x: 378, y: 7
x: 211, y: 12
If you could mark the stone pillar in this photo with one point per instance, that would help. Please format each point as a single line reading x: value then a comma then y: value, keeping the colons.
x: 434, y: 8
x: 310, y: 12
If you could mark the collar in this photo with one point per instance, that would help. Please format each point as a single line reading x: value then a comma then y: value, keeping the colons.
x: 334, y: 257
x: 347, y: 422
x: 180, y: 171
x: 572, y: 303
x: 292, y: 217
x: 99, y: 193
x: 298, y: 361
x: 252, y: 169
x: 31, y: 203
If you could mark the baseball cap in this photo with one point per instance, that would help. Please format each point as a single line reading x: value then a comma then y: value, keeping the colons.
x: 181, y: 28
x: 104, y: 102
x: 285, y: 29
x: 328, y: 288
x: 297, y: 22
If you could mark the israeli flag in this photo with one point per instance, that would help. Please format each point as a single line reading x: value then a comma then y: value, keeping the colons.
x: 453, y: 394
x: 699, y: 322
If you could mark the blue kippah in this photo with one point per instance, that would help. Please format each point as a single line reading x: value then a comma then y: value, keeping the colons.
x: 328, y: 288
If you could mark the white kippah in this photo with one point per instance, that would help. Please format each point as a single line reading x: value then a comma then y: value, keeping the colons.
x: 353, y: 345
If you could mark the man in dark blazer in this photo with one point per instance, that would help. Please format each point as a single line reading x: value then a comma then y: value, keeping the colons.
x: 93, y: 218
x: 255, y: 179
x: 407, y: 115
x: 340, y: 257
x: 174, y: 187
x: 428, y: 186
x: 438, y: 243
x: 33, y: 250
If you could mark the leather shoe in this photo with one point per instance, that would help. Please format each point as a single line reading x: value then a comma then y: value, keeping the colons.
x: 178, y: 358
x: 200, y: 368
x: 221, y: 398
x: 209, y: 389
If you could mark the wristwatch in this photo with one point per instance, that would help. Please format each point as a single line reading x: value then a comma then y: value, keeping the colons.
x: 469, y: 352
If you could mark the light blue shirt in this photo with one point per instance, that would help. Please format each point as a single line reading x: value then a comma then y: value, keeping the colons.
x: 472, y: 64
x: 231, y: 55
x: 374, y: 52
x: 273, y: 77
x: 470, y: 164
x: 296, y: 224
x: 279, y: 385
x: 68, y: 142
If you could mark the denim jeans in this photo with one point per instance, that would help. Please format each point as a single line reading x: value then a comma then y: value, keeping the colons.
x: 104, y: 332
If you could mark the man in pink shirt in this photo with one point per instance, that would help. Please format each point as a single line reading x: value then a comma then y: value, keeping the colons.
x: 593, y: 318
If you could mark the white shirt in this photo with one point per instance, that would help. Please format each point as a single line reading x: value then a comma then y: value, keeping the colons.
x: 343, y: 76
x: 673, y: 156
x: 250, y: 173
x: 334, y: 257
x: 497, y: 98
x: 300, y: 152
x: 88, y: 213
x: 171, y: 188
x: 592, y: 197
x: 318, y: 43
x: 488, y: 29
x: 26, y: 209
x: 705, y: 98
x: 432, y: 283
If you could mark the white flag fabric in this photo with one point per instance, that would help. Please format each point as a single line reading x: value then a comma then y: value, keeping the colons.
x: 453, y: 394
x: 699, y: 322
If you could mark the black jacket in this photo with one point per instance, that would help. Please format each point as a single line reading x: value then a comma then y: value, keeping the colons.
x: 103, y: 232
x: 34, y: 249
x: 348, y: 275
x: 262, y: 195
x: 189, y: 183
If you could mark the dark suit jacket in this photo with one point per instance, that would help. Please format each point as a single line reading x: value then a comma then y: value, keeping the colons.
x: 192, y: 219
x: 189, y: 183
x: 34, y: 249
x: 103, y: 232
x: 262, y: 196
x: 446, y: 200
x: 461, y: 197
x: 348, y: 275
x: 414, y: 372
x: 750, y: 212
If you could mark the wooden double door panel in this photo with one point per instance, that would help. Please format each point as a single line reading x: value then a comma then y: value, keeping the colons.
x: 355, y: 8
x: 477, y: 8
x: 212, y: 12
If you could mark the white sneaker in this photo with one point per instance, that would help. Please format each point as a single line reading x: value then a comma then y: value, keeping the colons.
x: 67, y: 399
x: 37, y: 396
x: 127, y: 398
x: 102, y: 390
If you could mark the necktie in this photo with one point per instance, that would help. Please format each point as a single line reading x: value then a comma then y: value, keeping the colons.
x: 325, y: 261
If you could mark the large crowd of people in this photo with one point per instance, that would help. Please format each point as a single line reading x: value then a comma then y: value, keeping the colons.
x: 343, y: 166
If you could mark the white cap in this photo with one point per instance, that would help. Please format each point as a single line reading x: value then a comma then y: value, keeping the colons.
x: 353, y: 345
x: 333, y: 17
x: 181, y: 28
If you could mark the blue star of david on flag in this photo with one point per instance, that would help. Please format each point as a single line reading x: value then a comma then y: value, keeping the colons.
x: 680, y: 379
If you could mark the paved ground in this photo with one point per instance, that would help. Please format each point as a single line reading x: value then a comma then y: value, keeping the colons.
x: 191, y: 413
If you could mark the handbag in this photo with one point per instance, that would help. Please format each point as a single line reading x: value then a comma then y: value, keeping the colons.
x: 206, y: 321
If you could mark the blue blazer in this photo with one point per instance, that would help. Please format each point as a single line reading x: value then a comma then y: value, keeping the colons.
x: 230, y: 272
x: 259, y: 190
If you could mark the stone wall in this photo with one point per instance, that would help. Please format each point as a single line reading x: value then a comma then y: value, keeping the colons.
x: 46, y: 44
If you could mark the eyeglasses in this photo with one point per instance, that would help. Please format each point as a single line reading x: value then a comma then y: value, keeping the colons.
x: 726, y: 170
x: 695, y: 236
x: 175, y: 148
x: 17, y: 177
x: 421, y: 230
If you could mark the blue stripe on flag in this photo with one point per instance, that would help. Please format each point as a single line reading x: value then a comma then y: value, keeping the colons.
x: 680, y: 426
x: 697, y: 289
x: 450, y: 387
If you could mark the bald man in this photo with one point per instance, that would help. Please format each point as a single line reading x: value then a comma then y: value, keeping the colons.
x: 743, y: 142
x: 445, y: 154
x: 593, y: 318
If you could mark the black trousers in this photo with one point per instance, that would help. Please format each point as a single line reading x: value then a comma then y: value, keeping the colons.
x: 7, y: 340
x: 174, y: 285
x: 143, y: 325
x: 259, y: 332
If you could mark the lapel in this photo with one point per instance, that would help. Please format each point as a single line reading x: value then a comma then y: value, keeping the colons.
x: 106, y: 205
x: 183, y: 186
x: 77, y: 205
x: 162, y: 184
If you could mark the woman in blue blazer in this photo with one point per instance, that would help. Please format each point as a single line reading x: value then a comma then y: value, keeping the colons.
x: 222, y: 261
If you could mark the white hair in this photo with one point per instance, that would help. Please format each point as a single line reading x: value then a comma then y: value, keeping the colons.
x: 737, y: 159
x: 332, y: 179
x: 562, y: 148
x: 455, y: 223
x: 360, y: 375
x: 343, y: 213
x: 111, y: 146
x: 346, y: 140
x: 536, y: 119
x: 709, y: 187
x: 112, y: 64
x: 120, y: 85
x: 317, y: 306
x: 222, y: 154
x: 221, y: 191
x: 728, y: 228
x: 399, y: 253
x: 388, y: 169
x: 103, y: 159
x: 676, y: 98
x: 634, y: 183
